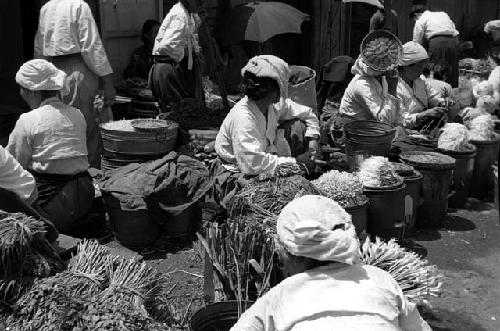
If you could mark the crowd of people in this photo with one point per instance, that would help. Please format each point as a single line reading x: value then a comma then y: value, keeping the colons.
x: 52, y: 147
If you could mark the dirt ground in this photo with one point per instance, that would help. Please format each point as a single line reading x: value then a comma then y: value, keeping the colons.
x: 466, y: 250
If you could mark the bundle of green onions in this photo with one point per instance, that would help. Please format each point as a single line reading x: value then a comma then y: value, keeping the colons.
x: 417, y: 278
x: 342, y: 187
x: 378, y: 172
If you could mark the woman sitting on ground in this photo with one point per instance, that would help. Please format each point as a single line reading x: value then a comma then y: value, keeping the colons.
x: 420, y: 99
x: 141, y: 59
x: 327, y: 288
x: 49, y: 141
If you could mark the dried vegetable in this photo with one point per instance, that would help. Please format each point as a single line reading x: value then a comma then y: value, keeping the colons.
x: 417, y: 278
x: 454, y: 137
x: 378, y: 172
x: 342, y: 187
x: 25, y: 255
x: 427, y: 158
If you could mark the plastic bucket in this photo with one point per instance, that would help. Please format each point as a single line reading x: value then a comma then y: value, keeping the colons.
x: 185, y: 224
x: 219, y: 316
x: 413, y: 197
x: 462, y: 176
x: 140, y: 143
x: 132, y: 228
x: 386, y: 211
x: 482, y: 177
x: 304, y: 93
x: 359, y: 216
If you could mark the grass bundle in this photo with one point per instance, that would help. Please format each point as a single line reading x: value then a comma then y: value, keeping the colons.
x: 342, y: 187
x: 454, y: 137
x: 242, y: 254
x: 265, y: 198
x: 378, y: 172
x: 417, y: 278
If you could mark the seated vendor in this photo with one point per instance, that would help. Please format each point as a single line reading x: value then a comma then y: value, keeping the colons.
x: 249, y: 140
x: 420, y: 99
x: 50, y: 142
x: 327, y: 287
x: 371, y: 95
x: 141, y: 59
x: 437, y: 75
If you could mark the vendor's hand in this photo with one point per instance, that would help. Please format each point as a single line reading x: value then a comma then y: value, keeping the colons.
x: 314, y: 150
x: 433, y: 112
x: 109, y: 92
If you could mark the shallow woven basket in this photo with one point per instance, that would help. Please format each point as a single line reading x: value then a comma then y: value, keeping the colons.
x: 150, y: 124
x: 389, y: 56
x: 433, y: 160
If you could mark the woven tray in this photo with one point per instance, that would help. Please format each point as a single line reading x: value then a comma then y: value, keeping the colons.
x: 428, y: 160
x: 381, y: 50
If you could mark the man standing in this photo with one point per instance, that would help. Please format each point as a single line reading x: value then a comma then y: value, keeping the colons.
x: 68, y: 37
x: 437, y: 33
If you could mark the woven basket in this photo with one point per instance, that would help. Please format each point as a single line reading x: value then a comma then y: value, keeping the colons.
x: 428, y: 160
x: 389, y: 50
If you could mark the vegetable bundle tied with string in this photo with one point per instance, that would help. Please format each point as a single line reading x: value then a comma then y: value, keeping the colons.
x: 417, y: 278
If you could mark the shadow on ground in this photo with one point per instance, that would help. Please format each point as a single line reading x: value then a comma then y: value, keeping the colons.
x: 458, y: 223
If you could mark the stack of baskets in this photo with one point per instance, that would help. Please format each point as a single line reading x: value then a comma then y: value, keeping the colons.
x: 136, y: 141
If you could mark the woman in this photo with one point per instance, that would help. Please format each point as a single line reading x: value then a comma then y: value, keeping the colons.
x: 371, y: 95
x: 420, y: 100
x: 327, y: 288
x: 49, y: 141
x: 141, y: 59
x: 249, y: 140
x: 176, y: 72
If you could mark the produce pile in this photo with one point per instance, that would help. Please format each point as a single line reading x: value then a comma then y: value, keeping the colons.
x: 121, y: 125
x: 427, y: 158
x: 482, y: 128
x: 267, y: 195
x: 487, y: 103
x: 25, y: 256
x: 192, y: 114
x: 470, y: 113
x: 98, y: 291
x: 417, y: 278
x: 378, y: 172
x: 403, y: 170
x: 343, y: 187
x: 454, y: 137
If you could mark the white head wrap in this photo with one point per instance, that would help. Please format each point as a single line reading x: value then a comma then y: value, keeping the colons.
x: 362, y: 69
x: 413, y: 53
x: 306, y: 228
x: 40, y: 75
x: 270, y: 66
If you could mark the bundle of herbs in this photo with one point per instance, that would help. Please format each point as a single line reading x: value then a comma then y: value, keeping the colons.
x: 343, y: 187
x: 417, y: 278
x: 25, y: 255
x: 242, y: 252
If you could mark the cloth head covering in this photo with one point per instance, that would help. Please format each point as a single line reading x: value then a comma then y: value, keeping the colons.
x: 492, y: 25
x: 318, y: 228
x: 40, y: 75
x: 362, y: 69
x: 270, y: 66
x: 413, y: 53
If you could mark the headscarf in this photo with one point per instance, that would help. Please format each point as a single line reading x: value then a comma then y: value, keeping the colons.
x: 40, y: 75
x: 361, y: 68
x: 492, y: 25
x: 307, y: 227
x: 270, y: 66
x: 413, y: 53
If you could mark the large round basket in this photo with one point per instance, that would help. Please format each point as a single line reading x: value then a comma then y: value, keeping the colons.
x: 381, y: 50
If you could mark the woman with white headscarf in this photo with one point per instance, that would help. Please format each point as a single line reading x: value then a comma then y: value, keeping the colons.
x: 420, y: 99
x: 327, y: 287
x: 50, y: 142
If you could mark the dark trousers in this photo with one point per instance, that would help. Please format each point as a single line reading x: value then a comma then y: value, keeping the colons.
x: 444, y: 49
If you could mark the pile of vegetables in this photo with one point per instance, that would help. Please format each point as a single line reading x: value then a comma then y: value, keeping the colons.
x: 417, y: 278
x: 454, y: 137
x: 121, y: 125
x: 378, y: 172
x: 25, y: 255
x: 482, y: 128
x: 343, y: 187
x: 99, y: 291
x: 192, y: 114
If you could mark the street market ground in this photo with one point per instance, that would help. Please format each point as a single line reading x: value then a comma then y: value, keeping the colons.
x: 466, y: 250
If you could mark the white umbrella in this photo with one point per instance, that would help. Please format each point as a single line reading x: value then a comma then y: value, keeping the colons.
x: 376, y: 3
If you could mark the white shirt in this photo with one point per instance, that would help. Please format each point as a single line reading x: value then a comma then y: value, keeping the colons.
x: 439, y: 86
x: 431, y: 24
x: 250, y: 143
x: 14, y: 178
x: 51, y: 139
x: 337, y: 297
x: 365, y: 99
x: 177, y: 32
x: 417, y: 98
x: 68, y: 27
